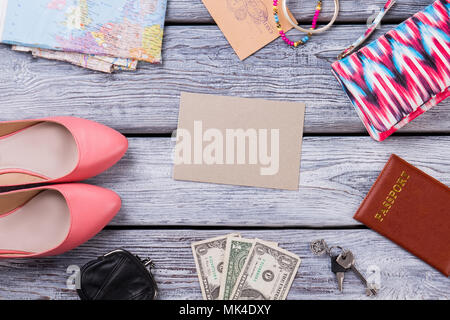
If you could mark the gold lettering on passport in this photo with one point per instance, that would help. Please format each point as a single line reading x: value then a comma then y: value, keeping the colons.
x: 392, y: 196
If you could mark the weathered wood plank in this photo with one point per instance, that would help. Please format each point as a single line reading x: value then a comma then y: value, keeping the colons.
x: 402, y: 276
x: 196, y: 59
x: 184, y: 11
x: 336, y: 174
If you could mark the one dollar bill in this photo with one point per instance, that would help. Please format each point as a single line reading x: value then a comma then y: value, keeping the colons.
x: 208, y: 256
x: 268, y: 273
x: 236, y: 253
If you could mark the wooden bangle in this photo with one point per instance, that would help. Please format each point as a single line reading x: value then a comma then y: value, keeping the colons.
x: 323, y: 29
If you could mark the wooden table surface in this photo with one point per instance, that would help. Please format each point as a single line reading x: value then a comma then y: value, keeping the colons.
x: 160, y: 217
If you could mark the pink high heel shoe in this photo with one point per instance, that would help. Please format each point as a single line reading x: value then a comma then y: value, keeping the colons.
x: 51, y: 220
x: 58, y: 149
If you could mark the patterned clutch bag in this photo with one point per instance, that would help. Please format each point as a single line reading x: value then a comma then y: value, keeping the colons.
x: 401, y: 75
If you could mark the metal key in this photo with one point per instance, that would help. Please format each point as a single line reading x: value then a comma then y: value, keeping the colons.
x: 347, y: 260
x: 339, y: 271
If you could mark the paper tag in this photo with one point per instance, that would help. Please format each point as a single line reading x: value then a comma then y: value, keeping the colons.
x: 248, y: 25
x: 228, y: 140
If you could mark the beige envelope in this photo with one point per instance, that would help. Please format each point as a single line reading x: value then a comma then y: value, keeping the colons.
x: 249, y: 142
x: 248, y: 25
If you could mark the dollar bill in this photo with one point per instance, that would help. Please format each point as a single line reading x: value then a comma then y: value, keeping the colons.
x: 236, y: 252
x: 270, y: 243
x: 208, y: 256
x: 267, y: 274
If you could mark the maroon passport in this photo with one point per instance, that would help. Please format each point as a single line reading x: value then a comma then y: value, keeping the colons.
x: 412, y: 209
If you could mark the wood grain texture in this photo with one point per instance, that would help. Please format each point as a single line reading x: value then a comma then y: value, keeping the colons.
x: 336, y: 174
x: 402, y: 276
x: 196, y: 59
x: 352, y: 11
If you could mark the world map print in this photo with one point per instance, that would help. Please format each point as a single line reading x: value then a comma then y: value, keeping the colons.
x: 119, y: 28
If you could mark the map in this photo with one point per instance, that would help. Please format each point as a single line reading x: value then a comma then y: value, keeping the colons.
x: 130, y: 29
x: 94, y: 62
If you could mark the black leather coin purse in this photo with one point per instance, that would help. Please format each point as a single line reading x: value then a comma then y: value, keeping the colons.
x: 118, y: 275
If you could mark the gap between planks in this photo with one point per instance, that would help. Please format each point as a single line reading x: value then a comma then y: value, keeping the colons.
x: 351, y: 11
x: 336, y: 174
x: 195, y: 59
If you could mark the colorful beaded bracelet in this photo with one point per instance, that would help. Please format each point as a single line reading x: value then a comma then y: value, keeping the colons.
x: 282, y: 33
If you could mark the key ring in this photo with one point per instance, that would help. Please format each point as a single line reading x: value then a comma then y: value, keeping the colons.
x: 316, y: 31
x: 330, y: 249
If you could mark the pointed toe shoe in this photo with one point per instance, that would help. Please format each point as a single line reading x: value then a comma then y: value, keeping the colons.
x: 55, y: 150
x: 51, y: 220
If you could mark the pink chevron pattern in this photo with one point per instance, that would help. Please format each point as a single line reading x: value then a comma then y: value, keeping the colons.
x: 401, y: 75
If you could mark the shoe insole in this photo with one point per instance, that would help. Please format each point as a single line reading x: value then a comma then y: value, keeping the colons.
x: 43, y: 151
x: 39, y: 225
